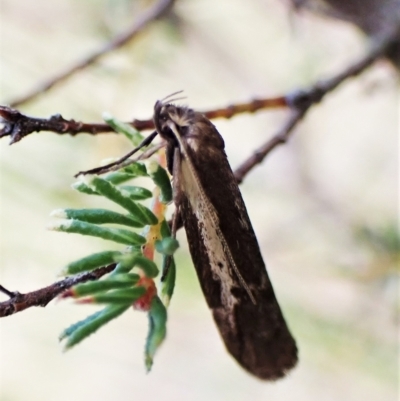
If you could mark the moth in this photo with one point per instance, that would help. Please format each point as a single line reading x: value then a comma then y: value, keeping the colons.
x: 223, y: 245
x: 222, y: 242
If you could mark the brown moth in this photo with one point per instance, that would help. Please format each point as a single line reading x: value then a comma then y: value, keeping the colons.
x: 223, y: 245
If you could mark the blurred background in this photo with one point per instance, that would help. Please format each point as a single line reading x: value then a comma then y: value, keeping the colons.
x: 324, y: 206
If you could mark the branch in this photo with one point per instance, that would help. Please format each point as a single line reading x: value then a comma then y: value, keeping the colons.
x: 301, y: 101
x: 145, y: 19
x: 278, y: 139
x: 17, y: 125
x: 18, y: 302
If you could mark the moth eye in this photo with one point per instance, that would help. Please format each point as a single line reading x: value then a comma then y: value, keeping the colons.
x: 220, y: 265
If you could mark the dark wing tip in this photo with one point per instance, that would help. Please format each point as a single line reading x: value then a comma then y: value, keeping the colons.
x: 274, y: 369
x: 268, y: 354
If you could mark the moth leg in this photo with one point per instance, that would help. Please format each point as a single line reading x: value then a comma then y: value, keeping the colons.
x: 177, y: 191
x: 177, y: 194
x: 104, y: 169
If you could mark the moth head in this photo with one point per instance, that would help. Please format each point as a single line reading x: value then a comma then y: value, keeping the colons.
x: 166, y: 114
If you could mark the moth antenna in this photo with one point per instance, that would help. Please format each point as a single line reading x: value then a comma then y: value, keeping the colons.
x: 169, y: 96
x: 176, y: 99
x: 118, y: 163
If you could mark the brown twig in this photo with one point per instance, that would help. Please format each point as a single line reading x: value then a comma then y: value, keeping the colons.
x: 248, y: 107
x: 300, y: 102
x: 18, y: 302
x: 7, y: 292
x: 17, y: 125
x: 278, y: 139
x: 153, y: 13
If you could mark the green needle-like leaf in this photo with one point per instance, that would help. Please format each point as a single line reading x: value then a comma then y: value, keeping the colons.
x: 97, y: 216
x: 162, y: 180
x: 167, y: 246
x: 91, y: 262
x: 116, y: 282
x: 137, y: 169
x: 124, y: 296
x: 150, y: 216
x: 137, y: 193
x: 84, y: 188
x: 83, y: 329
x: 168, y: 284
x: 118, y: 235
x: 118, y: 177
x: 129, y: 260
x: 122, y: 198
x: 75, y: 326
x: 164, y: 229
x: 157, y: 330
x: 131, y: 133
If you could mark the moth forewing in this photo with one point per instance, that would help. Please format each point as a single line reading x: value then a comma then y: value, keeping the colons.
x: 220, y: 255
x: 223, y: 245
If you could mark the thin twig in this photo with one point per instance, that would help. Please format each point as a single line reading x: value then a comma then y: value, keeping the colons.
x: 17, y: 125
x: 248, y: 107
x: 19, y: 302
x: 278, y: 139
x: 7, y: 292
x: 302, y: 101
x: 145, y: 19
